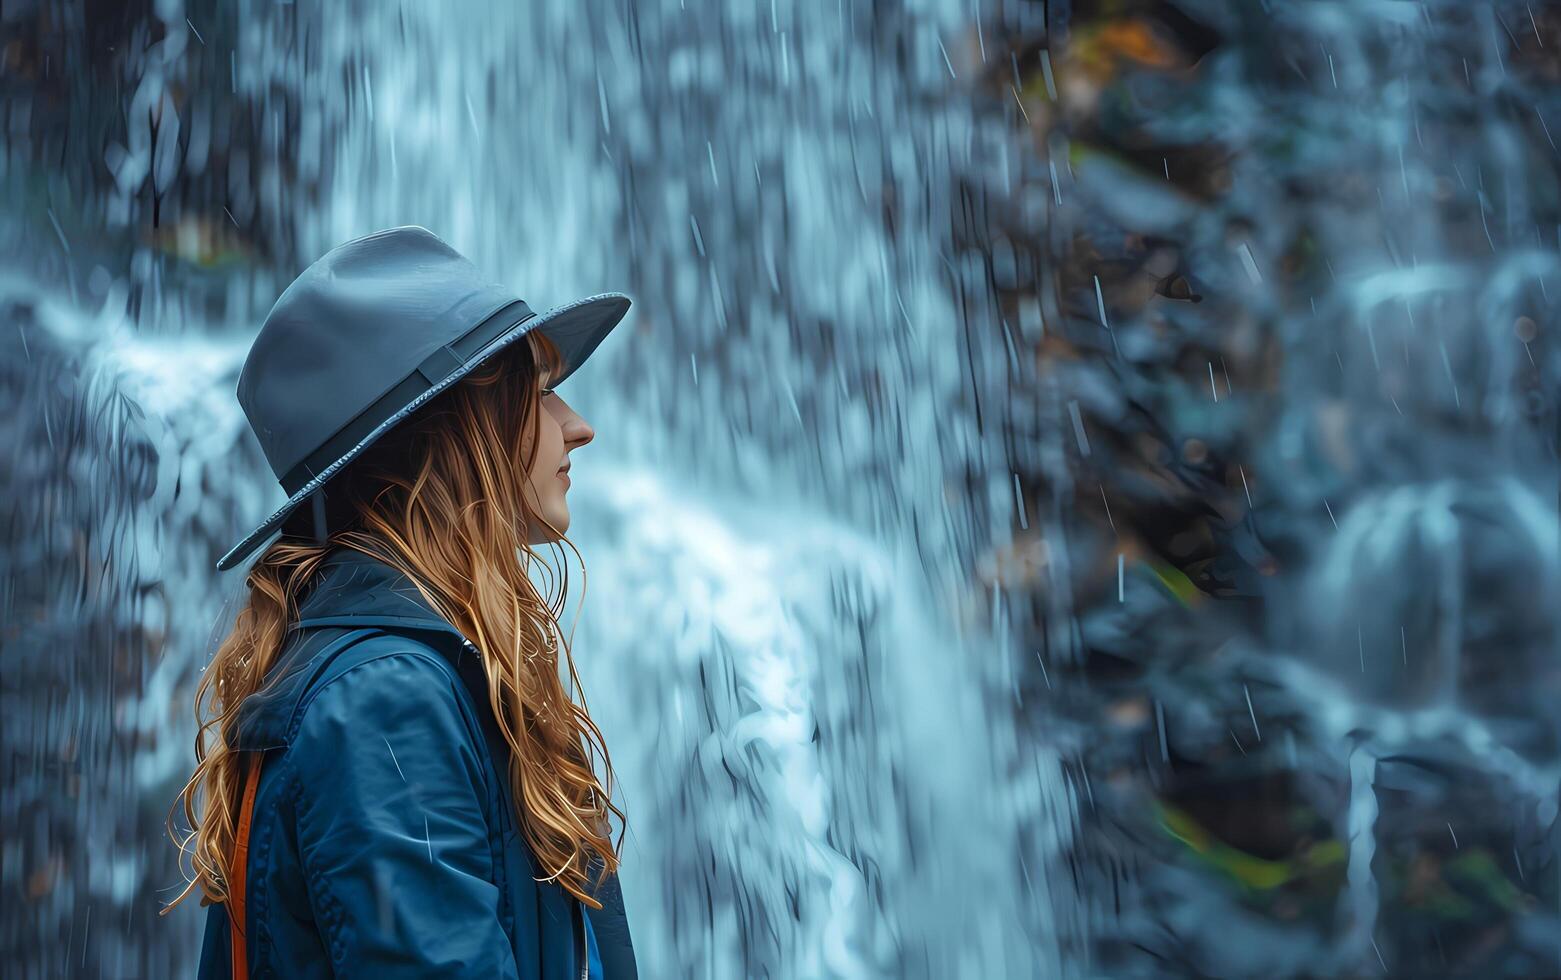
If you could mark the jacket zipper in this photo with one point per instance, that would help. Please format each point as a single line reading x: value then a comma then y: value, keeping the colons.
x: 579, y: 910
x: 583, y: 948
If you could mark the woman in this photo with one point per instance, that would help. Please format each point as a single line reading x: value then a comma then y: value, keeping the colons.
x: 391, y: 778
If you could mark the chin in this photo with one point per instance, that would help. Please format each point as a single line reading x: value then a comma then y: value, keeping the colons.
x: 560, y: 520
x: 541, y: 534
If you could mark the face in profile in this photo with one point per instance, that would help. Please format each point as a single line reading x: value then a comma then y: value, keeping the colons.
x: 561, y: 430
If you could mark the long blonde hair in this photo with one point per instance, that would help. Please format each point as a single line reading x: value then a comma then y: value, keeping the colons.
x: 442, y: 498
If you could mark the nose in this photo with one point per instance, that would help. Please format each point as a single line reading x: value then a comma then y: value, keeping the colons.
x: 577, y: 431
x: 580, y: 434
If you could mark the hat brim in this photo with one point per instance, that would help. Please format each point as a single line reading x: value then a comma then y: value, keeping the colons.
x: 577, y: 329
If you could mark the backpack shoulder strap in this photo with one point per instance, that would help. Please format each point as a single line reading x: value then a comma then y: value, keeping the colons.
x: 238, y: 868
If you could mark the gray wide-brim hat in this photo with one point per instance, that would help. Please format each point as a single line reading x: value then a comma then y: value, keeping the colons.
x: 365, y: 336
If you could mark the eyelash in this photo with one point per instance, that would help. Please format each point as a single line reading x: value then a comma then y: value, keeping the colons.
x: 546, y: 392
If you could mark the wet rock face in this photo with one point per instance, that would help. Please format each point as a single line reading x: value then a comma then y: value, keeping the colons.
x: 83, y: 631
x: 112, y: 515
x: 1311, y: 732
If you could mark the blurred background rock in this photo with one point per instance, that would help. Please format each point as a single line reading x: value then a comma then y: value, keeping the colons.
x: 1076, y: 494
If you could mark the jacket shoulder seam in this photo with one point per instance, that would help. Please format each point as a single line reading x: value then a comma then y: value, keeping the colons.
x: 432, y: 656
x: 330, y: 911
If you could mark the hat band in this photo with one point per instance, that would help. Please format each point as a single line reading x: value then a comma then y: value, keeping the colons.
x: 434, y: 369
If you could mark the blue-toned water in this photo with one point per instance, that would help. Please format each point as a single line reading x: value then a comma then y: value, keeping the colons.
x: 1075, y: 494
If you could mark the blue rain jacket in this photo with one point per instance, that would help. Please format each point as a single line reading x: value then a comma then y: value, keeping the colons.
x: 384, y: 841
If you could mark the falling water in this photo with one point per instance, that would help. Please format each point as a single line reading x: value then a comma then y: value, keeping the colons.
x: 800, y: 687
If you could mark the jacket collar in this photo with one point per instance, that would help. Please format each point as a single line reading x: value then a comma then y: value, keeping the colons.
x: 356, y: 590
x: 352, y: 591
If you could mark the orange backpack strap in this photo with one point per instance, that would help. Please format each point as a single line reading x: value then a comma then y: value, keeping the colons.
x: 237, y: 872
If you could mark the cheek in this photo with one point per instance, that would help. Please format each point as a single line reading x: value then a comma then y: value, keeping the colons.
x: 552, y: 435
x: 550, y: 446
